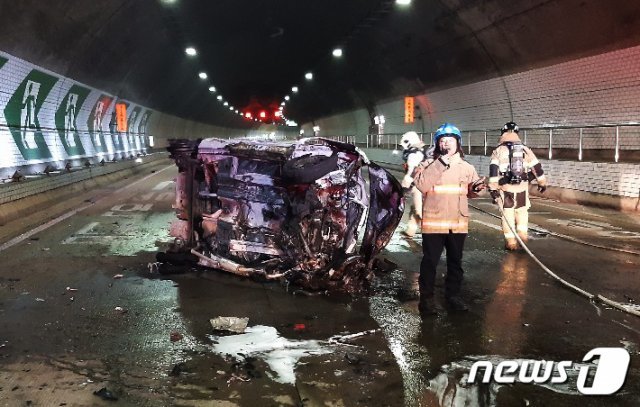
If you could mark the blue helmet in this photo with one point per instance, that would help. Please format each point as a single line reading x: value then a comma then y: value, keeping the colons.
x: 449, y: 130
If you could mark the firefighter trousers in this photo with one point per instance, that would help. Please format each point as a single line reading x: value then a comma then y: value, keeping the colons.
x: 432, y: 246
x: 515, y: 212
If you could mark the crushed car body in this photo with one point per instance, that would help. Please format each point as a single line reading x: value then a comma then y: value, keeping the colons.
x: 294, y: 211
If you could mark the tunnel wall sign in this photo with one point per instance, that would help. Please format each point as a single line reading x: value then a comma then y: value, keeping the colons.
x: 46, y: 119
x: 121, y: 117
x: 409, y: 106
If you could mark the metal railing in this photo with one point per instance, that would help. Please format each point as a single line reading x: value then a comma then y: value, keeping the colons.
x: 601, y: 142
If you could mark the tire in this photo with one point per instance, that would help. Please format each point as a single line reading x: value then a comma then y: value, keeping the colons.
x: 308, y: 168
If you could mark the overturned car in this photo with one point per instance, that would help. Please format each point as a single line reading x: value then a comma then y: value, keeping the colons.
x: 293, y: 211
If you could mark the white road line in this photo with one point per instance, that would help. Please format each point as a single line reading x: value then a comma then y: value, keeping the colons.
x: 489, y: 225
x: 83, y: 231
x: 537, y: 202
x: 67, y: 215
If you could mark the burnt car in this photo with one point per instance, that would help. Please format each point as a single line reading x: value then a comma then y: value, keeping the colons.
x: 299, y: 211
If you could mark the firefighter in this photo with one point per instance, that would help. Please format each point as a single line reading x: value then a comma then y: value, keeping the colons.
x: 513, y: 166
x: 446, y: 181
x: 414, y: 152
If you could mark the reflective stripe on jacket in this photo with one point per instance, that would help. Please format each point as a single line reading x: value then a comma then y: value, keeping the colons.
x: 445, y: 206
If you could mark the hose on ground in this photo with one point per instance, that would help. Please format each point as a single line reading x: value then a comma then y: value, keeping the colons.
x: 565, y: 283
x: 566, y: 237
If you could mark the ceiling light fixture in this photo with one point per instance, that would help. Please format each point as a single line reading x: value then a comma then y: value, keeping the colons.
x: 202, y: 75
x: 337, y: 52
x: 287, y: 97
x: 225, y: 104
x: 212, y: 89
x: 191, y: 51
x: 294, y: 89
x: 308, y: 76
x: 219, y: 97
x: 403, y: 2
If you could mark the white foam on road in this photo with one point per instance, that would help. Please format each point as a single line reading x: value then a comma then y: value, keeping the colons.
x: 264, y: 342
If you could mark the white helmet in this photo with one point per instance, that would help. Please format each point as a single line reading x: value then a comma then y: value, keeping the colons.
x: 410, y: 139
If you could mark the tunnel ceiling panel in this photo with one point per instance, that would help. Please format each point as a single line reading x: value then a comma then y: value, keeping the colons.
x: 254, y: 51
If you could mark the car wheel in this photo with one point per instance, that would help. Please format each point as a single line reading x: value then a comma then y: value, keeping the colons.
x: 308, y: 168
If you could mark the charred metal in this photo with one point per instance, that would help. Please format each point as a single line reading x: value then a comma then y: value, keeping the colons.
x: 283, y: 211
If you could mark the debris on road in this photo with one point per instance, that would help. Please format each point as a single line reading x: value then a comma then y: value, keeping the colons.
x: 230, y: 324
x: 106, y: 394
x: 343, y: 339
x: 175, y: 336
x: 118, y: 276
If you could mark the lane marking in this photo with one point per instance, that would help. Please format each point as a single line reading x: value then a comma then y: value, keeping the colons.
x: 83, y: 231
x: 489, y: 225
x: 67, y: 215
x: 537, y: 202
x: 162, y: 185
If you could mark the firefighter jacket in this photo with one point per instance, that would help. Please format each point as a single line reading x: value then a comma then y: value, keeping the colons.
x: 499, y: 166
x: 445, y: 188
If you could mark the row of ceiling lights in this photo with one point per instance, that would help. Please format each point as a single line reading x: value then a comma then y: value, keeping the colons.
x: 192, y: 52
x: 337, y: 53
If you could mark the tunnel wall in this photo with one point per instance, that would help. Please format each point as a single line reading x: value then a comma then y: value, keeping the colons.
x: 602, y: 89
x: 47, y: 119
x: 597, y: 90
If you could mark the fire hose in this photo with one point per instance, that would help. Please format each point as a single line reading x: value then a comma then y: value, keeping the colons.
x: 590, y: 296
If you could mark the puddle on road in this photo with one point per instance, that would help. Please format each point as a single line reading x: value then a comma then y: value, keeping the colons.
x: 265, y: 343
x: 401, y: 329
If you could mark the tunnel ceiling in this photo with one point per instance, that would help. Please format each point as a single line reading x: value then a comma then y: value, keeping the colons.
x: 259, y: 49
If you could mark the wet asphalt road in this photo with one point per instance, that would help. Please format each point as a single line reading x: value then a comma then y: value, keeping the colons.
x: 80, y: 311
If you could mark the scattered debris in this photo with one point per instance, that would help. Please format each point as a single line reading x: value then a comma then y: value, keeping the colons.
x: 343, y: 339
x: 71, y: 289
x: 299, y: 327
x: 352, y: 358
x: 175, y: 336
x: 105, y: 394
x: 177, y: 369
x: 230, y: 324
x: 121, y: 310
x: 40, y: 299
x: 118, y: 276
x: 237, y: 378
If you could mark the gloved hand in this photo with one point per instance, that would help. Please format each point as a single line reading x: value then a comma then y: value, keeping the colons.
x: 542, y: 188
x: 495, y: 194
x: 479, y: 185
x: 414, y: 159
x: 406, y: 181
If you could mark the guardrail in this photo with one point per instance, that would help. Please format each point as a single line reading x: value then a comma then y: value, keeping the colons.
x: 603, y: 142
